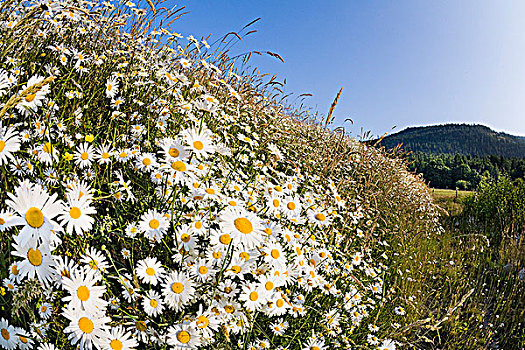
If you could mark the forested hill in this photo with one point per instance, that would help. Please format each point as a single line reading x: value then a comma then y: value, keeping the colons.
x: 475, y: 140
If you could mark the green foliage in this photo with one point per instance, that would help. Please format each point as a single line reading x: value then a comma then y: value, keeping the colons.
x: 498, y: 210
x: 463, y: 171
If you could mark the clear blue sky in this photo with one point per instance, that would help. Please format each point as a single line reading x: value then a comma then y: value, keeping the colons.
x: 400, y: 63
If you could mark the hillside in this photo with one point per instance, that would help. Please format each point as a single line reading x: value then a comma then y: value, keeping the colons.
x: 475, y: 140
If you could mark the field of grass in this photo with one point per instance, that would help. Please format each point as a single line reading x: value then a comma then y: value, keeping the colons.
x: 450, y: 200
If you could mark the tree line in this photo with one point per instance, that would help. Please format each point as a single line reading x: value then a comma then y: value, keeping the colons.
x: 463, y: 171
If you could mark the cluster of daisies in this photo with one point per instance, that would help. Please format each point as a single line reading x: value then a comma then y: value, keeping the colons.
x: 144, y: 200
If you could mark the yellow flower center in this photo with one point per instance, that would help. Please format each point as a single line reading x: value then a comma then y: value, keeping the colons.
x: 280, y: 303
x: 85, y: 325
x: 150, y: 271
x: 178, y: 166
x: 203, y: 270
x: 83, y: 293
x: 153, y: 303
x: 74, y: 212
x: 105, y: 155
x: 245, y: 256
x: 177, y: 287
x: 141, y: 326
x: 202, y: 321
x: 84, y: 155
x: 243, y: 225
x: 14, y: 270
x: 275, y: 253
x: 146, y: 161
x: 198, y: 225
x: 236, y: 269
x: 210, y: 191
x: 184, y: 337
x: 320, y: 217
x: 229, y: 309
x: 185, y: 237
x: 268, y: 231
x: 275, y: 203
x: 34, y: 217
x: 116, y: 344
x: 30, y: 97
x: 34, y: 257
x: 217, y: 255
x: 5, y: 334
x: 2, y: 145
x: 43, y: 308
x: 173, y: 152
x: 198, y: 145
x: 22, y: 339
x: 47, y: 147
x: 268, y: 285
x: 154, y: 224
x: 225, y: 239
x: 291, y: 206
x: 254, y: 296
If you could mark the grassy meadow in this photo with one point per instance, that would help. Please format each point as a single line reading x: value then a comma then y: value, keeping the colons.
x: 450, y: 200
x: 159, y: 194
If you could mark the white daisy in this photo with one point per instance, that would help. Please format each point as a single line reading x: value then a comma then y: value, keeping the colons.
x: 104, y: 154
x: 150, y: 271
x: 112, y: 87
x: 85, y: 329
x: 47, y: 153
x: 152, y: 303
x: 84, y: 293
x: 24, y: 342
x: 154, y: 225
x: 245, y: 227
x: 173, y: 149
x: 254, y: 296
x: 85, y: 155
x: 202, y: 271
x: 183, y: 336
x: 45, y: 310
x: 95, y: 261
x: 75, y: 215
x: 34, y: 100
x: 9, y: 143
x: 8, y: 339
x: 199, y: 141
x: 118, y: 339
x: 178, y: 290
x: 35, y: 209
x: 38, y: 261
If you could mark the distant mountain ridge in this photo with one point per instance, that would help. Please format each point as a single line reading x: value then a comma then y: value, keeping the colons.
x: 474, y: 140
